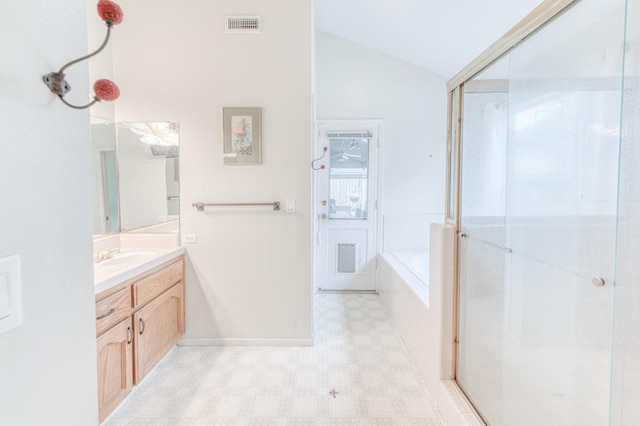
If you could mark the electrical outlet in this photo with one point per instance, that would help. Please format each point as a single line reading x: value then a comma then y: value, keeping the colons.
x: 189, y: 239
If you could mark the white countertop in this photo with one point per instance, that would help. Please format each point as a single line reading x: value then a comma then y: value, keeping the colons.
x: 106, y: 276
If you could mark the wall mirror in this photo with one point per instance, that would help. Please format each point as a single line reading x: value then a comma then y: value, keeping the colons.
x: 136, y: 176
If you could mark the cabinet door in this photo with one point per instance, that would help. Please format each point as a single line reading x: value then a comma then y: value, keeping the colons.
x: 158, y: 326
x: 115, y: 366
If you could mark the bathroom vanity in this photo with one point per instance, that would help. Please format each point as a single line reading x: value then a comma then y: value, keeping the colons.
x: 139, y: 315
x: 138, y: 264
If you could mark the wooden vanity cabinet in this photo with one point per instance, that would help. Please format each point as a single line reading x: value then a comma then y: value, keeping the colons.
x: 148, y: 288
x: 113, y: 309
x: 158, y: 326
x: 148, y: 313
x: 115, y: 366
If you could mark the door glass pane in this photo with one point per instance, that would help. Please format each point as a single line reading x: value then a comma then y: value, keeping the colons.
x: 348, y: 176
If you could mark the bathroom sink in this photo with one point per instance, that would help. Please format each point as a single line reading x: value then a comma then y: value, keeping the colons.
x: 124, y: 257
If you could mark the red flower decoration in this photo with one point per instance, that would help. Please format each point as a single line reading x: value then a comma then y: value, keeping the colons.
x: 106, y: 90
x: 110, y: 12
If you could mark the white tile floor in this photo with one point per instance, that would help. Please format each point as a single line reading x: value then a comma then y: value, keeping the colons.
x: 356, y: 353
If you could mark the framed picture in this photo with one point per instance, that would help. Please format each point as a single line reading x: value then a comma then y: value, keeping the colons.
x: 242, y: 135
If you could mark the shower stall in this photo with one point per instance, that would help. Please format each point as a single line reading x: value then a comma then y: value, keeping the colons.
x: 544, y: 194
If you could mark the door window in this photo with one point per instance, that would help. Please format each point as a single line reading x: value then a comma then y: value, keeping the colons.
x: 348, y: 174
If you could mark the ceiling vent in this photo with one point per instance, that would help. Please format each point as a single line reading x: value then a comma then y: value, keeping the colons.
x: 243, y: 24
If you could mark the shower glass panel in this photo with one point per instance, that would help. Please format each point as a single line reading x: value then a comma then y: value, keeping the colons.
x: 482, y: 255
x: 625, y: 382
x: 540, y: 156
x: 563, y: 149
x: 452, y: 154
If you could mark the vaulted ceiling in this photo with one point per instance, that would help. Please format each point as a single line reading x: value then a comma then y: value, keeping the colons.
x: 438, y: 35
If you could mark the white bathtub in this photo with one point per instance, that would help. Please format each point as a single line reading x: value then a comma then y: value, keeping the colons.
x: 419, y: 300
x: 410, y: 271
x: 406, y: 298
x: 422, y: 313
x: 416, y: 261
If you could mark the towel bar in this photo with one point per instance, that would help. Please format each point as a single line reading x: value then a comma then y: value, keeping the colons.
x: 200, y: 206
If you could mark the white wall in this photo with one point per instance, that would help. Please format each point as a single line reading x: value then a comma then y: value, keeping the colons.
x: 48, y: 365
x: 408, y: 232
x: 354, y: 82
x: 249, y: 275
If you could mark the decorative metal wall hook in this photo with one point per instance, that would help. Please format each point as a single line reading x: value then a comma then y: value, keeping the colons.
x: 313, y: 163
x: 105, y: 90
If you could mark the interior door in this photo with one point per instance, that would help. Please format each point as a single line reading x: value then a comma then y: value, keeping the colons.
x: 346, y: 210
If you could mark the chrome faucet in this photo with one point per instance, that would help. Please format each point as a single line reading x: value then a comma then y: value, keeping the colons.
x: 106, y: 254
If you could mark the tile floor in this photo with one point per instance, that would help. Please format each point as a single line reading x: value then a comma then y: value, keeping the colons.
x: 357, y: 353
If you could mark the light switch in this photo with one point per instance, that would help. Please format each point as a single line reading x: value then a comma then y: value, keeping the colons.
x: 10, y: 304
x: 290, y: 205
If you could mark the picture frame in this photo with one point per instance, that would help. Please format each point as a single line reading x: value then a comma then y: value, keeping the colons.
x: 242, y: 135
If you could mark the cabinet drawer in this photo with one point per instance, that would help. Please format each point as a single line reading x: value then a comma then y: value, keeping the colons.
x: 113, y: 309
x: 157, y: 283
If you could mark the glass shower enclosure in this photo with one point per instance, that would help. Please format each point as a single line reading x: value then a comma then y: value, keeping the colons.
x: 544, y: 193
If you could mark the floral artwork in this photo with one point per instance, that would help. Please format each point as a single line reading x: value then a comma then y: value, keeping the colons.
x: 242, y: 127
x: 242, y: 135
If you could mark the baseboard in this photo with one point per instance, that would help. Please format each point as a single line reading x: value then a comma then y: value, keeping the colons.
x: 321, y: 291
x: 245, y: 342
x: 454, y: 406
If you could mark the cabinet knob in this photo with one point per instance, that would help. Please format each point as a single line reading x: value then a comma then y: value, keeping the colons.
x: 141, y: 325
